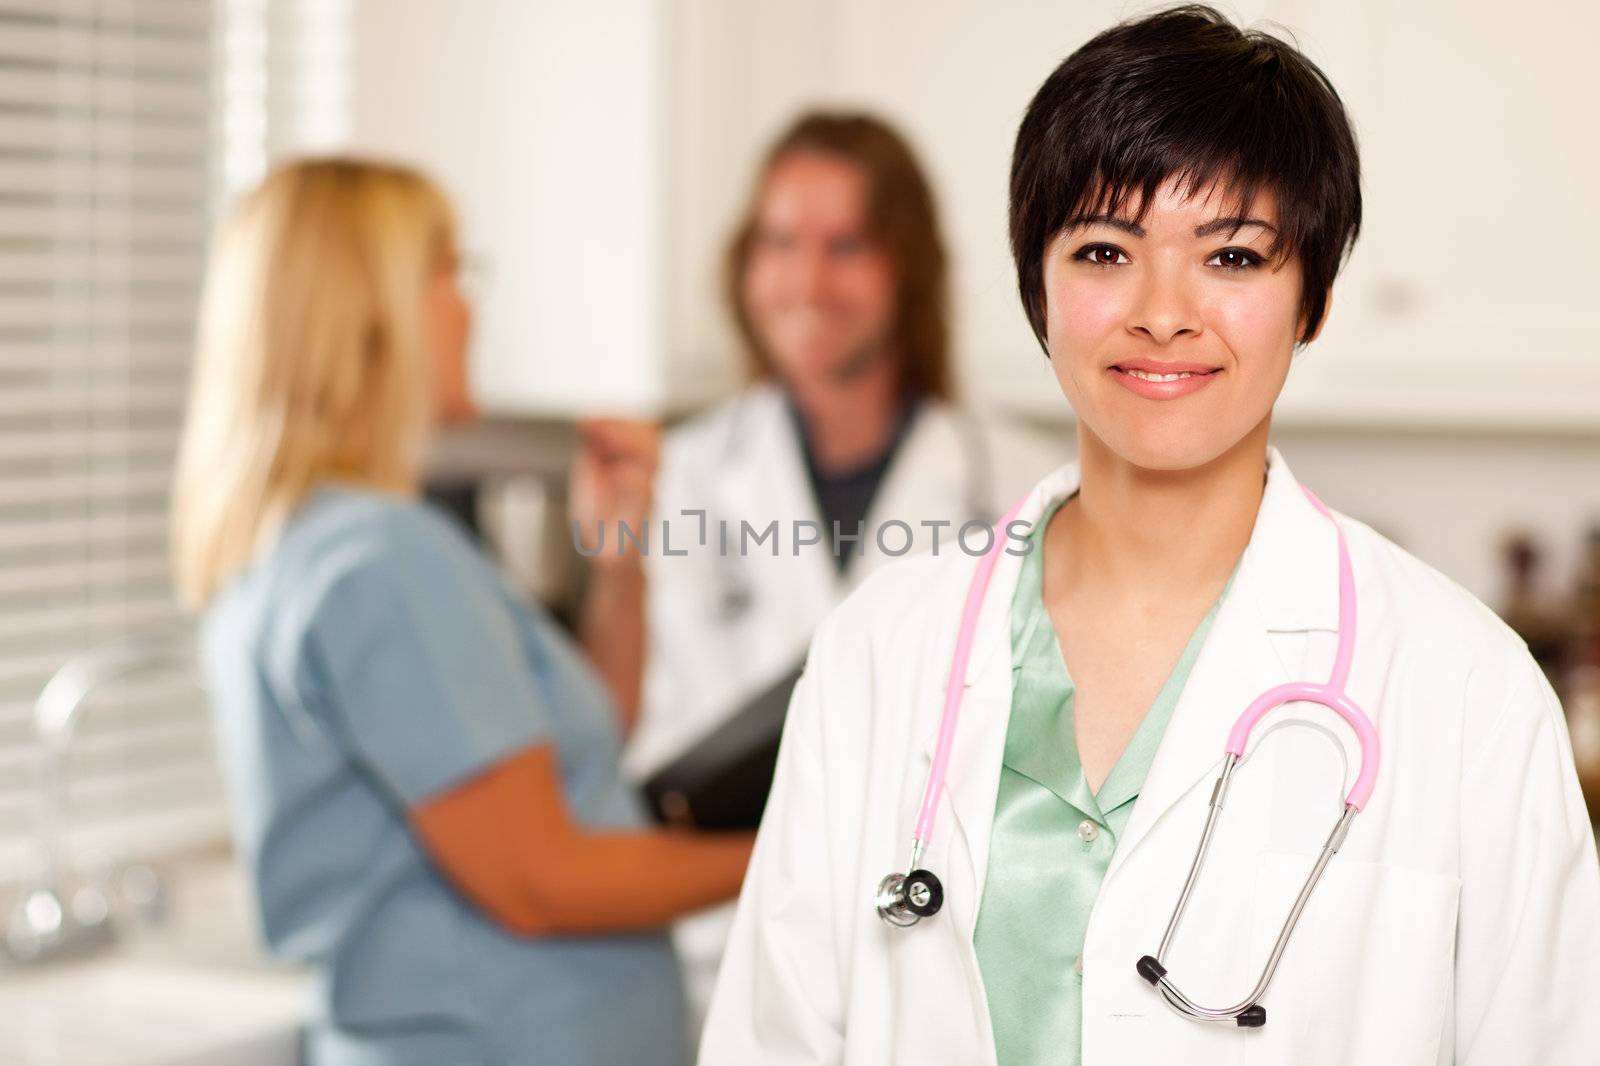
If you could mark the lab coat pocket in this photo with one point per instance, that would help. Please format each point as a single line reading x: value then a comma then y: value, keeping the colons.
x: 1368, y: 974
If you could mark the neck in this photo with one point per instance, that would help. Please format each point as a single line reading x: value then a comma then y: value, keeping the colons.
x: 1147, y: 538
x: 850, y: 419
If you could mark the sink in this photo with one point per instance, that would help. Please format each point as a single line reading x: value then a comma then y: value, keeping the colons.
x: 196, y: 991
x: 122, y: 1011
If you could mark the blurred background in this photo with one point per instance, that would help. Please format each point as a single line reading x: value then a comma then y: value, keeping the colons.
x: 599, y: 154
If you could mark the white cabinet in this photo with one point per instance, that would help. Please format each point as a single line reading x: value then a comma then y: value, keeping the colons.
x: 1464, y: 301
x: 546, y: 122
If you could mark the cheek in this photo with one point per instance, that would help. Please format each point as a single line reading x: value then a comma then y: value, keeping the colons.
x: 866, y: 284
x: 1252, y: 324
x: 449, y: 313
x: 1080, y: 319
x: 1267, y: 310
x: 454, y: 320
x: 762, y: 280
x: 1259, y: 329
x: 438, y: 322
x: 449, y: 328
x: 1077, y: 314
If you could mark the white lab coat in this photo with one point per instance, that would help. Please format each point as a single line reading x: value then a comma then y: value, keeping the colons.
x: 1460, y: 922
x: 743, y: 460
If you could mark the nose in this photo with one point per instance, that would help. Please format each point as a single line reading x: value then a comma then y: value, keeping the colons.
x: 802, y: 273
x: 1165, y: 308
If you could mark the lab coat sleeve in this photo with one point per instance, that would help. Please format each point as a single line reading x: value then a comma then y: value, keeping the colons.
x: 1528, y: 934
x: 778, y: 996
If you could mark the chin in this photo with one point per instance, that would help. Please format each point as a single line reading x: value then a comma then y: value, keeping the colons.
x: 1174, y: 445
x: 814, y: 361
x: 1164, y: 460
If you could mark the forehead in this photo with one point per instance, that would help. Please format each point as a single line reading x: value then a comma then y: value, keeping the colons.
x: 813, y: 189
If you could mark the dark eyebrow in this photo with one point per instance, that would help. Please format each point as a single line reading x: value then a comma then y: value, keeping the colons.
x: 1216, y: 225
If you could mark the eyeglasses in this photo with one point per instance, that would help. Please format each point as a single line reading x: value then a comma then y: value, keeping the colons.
x: 474, y: 271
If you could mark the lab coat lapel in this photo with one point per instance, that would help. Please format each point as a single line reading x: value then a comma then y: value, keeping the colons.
x: 930, y: 479
x: 1236, y: 664
x: 1287, y: 582
x: 771, y: 473
x: 966, y: 814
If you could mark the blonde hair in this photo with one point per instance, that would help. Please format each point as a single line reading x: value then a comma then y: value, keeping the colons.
x: 311, y: 361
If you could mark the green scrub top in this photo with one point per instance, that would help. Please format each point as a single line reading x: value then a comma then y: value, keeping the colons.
x: 1053, y: 838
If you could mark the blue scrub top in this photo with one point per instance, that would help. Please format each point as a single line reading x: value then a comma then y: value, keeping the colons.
x: 374, y: 659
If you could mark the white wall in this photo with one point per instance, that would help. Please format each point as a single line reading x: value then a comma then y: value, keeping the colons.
x: 1449, y: 497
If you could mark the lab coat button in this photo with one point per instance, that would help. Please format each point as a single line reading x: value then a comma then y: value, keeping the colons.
x: 1087, y: 831
x: 1078, y: 965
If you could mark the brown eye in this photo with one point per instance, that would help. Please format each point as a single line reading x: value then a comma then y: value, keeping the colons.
x: 1237, y: 259
x: 1102, y: 255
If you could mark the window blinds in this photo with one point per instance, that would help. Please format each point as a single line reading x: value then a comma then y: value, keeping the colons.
x: 107, y: 165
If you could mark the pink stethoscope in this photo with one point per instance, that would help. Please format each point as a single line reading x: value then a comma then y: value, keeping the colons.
x: 905, y: 899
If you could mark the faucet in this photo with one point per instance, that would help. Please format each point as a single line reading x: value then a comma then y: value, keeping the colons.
x: 53, y: 918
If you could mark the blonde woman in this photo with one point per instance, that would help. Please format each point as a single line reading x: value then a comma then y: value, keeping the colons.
x: 424, y: 771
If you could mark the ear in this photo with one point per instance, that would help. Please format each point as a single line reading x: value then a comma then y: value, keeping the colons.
x: 1327, y: 307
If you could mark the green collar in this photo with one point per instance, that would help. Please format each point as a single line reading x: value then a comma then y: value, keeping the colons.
x: 1041, y: 737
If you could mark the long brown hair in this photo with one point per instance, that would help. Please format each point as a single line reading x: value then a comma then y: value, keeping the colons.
x: 900, y: 214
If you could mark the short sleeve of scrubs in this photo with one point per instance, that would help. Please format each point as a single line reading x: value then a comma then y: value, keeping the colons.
x: 417, y: 658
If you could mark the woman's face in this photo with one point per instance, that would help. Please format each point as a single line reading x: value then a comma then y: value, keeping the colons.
x: 1184, y: 292
x: 448, y: 323
x: 818, y: 288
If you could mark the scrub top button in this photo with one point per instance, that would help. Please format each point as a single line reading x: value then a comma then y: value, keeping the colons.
x: 1087, y: 831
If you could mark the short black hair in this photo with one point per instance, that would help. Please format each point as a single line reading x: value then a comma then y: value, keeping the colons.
x: 1186, y: 92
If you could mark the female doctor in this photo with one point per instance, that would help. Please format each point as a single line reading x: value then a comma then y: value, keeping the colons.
x: 1181, y: 196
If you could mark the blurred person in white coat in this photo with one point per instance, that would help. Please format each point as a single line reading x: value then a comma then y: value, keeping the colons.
x: 836, y: 278
x: 1182, y: 195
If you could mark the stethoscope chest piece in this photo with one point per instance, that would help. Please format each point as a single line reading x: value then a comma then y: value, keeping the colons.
x: 906, y: 899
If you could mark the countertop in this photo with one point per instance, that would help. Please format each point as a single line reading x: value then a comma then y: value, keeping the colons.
x: 194, y: 991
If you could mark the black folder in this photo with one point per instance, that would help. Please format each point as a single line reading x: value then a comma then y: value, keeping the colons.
x: 721, y: 780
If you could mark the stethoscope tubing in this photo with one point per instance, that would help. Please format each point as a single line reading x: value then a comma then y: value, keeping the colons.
x: 1157, y: 974
x: 955, y: 686
x: 1331, y: 695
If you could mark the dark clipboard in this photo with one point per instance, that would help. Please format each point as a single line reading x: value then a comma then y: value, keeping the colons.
x: 722, y: 779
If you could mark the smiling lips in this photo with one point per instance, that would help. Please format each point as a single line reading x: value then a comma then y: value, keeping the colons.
x: 1163, y: 380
